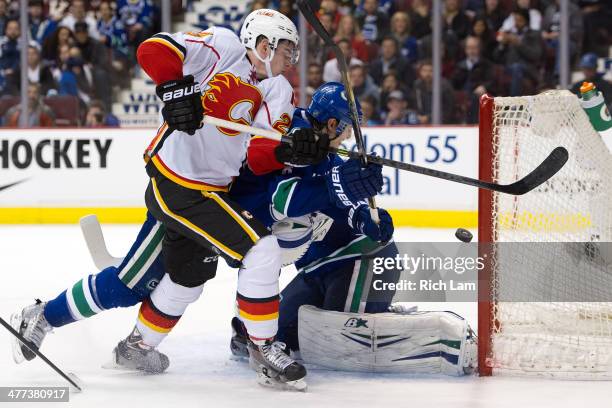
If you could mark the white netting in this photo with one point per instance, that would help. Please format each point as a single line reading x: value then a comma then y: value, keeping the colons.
x: 569, y: 332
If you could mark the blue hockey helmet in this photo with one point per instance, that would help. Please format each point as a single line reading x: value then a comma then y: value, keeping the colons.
x: 329, y: 101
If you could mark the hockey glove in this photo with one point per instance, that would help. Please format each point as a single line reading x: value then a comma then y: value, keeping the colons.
x: 183, y: 109
x: 307, y: 147
x: 363, y: 224
x: 349, y: 183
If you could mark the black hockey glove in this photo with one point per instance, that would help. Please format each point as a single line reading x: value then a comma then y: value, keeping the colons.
x: 182, y: 100
x: 307, y: 147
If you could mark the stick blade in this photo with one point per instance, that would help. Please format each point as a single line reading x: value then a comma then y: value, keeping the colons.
x: 548, y: 168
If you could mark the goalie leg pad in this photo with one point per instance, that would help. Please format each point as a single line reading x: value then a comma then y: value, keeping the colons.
x: 423, y: 342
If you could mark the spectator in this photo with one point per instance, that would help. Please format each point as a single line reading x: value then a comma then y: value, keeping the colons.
x: 9, y: 57
x: 112, y: 32
x: 259, y: 4
x: 400, y: 29
x: 390, y: 83
x: 474, y: 76
x: 315, y: 77
x: 597, y: 30
x: 97, y: 117
x: 330, y: 7
x: 331, y: 72
x: 51, y: 46
x: 391, y: 59
x: 534, y: 21
x: 137, y: 18
x: 3, y: 16
x: 370, y: 114
x: 398, y: 112
x: 450, y: 49
x: 588, y: 66
x: 520, y: 52
x: 97, y: 56
x: 422, y: 95
x: 317, y: 50
x: 38, y: 73
x: 37, y: 20
x: 551, y: 24
x: 347, y: 28
x: 420, y: 16
x: 493, y: 14
x: 373, y: 22
x: 79, y: 14
x: 363, y: 85
x: 481, y: 30
x: 39, y: 114
x: 455, y: 19
x: 286, y: 7
x: 76, y: 78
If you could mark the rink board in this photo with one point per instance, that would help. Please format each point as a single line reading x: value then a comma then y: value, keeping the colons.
x: 58, y: 175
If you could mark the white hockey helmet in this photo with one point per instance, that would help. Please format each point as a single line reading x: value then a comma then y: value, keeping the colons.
x: 275, y: 27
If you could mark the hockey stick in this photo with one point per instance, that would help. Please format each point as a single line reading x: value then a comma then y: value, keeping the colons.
x: 548, y: 168
x: 38, y: 353
x: 545, y: 170
x: 311, y: 17
x: 94, y: 238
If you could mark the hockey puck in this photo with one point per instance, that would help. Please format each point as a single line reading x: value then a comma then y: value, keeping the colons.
x: 463, y: 235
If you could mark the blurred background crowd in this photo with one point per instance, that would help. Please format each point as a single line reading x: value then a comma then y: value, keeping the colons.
x: 81, y: 54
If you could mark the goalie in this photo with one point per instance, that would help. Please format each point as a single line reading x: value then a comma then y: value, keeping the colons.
x: 330, y: 313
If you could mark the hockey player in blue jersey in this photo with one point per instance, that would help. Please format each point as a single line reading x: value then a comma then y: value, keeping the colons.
x: 132, y: 281
x: 332, y: 272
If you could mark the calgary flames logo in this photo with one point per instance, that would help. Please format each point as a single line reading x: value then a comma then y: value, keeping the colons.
x: 230, y: 98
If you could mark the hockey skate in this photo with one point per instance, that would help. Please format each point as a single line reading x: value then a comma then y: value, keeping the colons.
x: 32, y: 325
x: 133, y: 354
x: 275, y: 368
x: 238, y: 342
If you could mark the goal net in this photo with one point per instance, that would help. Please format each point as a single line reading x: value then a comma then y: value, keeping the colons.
x: 543, y: 294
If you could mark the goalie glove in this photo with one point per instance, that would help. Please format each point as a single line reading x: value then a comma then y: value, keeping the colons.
x: 183, y: 109
x: 349, y: 183
x: 307, y: 147
x: 362, y: 223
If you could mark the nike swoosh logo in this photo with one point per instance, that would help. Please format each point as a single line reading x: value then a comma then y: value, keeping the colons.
x: 11, y: 185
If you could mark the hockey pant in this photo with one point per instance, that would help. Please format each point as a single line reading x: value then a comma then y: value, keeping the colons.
x: 211, y: 221
x: 347, y: 289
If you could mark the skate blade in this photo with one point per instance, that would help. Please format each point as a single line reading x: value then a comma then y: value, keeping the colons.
x: 18, y: 356
x: 241, y: 359
x: 265, y: 381
x: 112, y: 364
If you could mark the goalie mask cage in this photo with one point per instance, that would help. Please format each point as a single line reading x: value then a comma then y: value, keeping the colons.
x: 569, y: 336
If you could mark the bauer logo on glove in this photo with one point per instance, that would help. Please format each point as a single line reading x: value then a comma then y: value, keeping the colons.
x: 178, y: 93
x: 183, y: 108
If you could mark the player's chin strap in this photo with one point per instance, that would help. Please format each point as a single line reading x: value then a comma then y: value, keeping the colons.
x: 266, y: 61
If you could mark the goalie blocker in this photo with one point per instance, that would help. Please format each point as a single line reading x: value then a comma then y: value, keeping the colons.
x: 417, y: 342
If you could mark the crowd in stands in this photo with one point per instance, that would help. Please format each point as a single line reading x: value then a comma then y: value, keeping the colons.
x: 78, y: 50
x: 500, y: 47
x: 84, y: 51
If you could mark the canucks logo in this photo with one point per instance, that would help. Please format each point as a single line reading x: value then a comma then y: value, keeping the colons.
x: 355, y: 322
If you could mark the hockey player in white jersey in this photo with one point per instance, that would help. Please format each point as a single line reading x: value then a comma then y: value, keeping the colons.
x: 191, y: 167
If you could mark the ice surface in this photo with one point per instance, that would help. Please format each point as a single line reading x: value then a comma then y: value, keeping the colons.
x: 41, y: 261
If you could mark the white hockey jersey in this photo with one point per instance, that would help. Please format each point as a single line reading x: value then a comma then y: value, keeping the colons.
x: 212, y: 157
